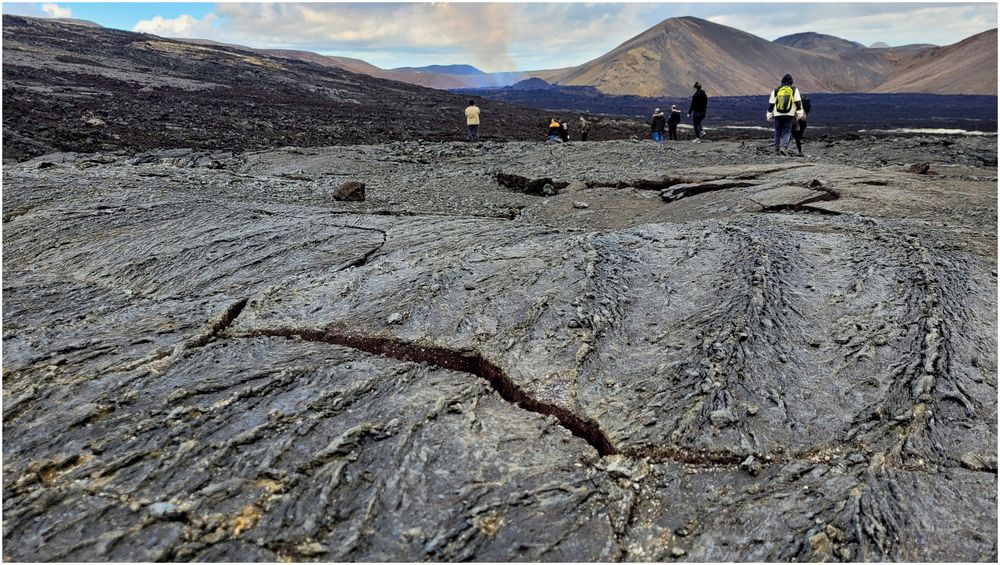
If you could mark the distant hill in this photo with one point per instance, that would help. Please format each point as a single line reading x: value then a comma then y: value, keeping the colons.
x: 823, y: 43
x: 442, y: 77
x: 458, y: 70
x: 879, y: 45
x: 533, y: 83
x: 669, y: 57
x: 428, y: 79
x: 967, y: 67
x: 75, y: 21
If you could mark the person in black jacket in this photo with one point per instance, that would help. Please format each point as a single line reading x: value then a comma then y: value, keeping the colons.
x: 658, y: 125
x: 672, y: 121
x: 799, y: 127
x: 697, y: 111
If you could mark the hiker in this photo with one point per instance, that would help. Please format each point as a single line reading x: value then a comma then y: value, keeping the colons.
x: 555, y: 130
x: 784, y: 106
x: 658, y: 125
x: 564, y: 131
x: 672, y: 121
x: 472, y: 120
x: 584, y: 128
x: 799, y: 127
x: 697, y: 110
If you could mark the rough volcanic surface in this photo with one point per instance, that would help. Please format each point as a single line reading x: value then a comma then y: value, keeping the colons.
x: 683, y: 352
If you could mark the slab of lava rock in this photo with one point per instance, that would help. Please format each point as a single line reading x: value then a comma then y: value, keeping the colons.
x: 208, y: 358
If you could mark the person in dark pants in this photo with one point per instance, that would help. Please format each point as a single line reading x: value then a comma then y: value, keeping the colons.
x: 799, y: 127
x: 555, y: 130
x: 584, y: 128
x: 672, y: 121
x: 658, y: 124
x: 472, y: 120
x: 784, y: 106
x: 697, y: 111
x: 564, y: 130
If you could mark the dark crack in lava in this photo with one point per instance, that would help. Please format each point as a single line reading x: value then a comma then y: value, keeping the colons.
x: 466, y: 362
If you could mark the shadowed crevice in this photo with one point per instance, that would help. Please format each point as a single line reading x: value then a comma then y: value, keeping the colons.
x: 463, y: 361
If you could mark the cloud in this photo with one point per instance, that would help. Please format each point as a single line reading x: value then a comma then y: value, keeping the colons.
x: 182, y: 26
x: 492, y: 36
x: 57, y: 11
x: 478, y: 32
x: 559, y: 35
x: 895, y: 24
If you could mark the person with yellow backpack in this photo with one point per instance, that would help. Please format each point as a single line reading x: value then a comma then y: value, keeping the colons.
x: 783, y: 108
x: 555, y: 130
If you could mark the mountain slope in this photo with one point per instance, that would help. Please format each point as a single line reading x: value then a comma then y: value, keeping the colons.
x: 74, y: 88
x: 668, y: 58
x: 456, y: 70
x: 429, y: 79
x: 967, y: 67
x: 812, y: 41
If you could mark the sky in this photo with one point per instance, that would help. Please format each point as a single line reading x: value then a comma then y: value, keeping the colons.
x: 506, y: 36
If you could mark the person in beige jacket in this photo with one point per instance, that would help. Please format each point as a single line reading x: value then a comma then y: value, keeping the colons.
x: 472, y: 120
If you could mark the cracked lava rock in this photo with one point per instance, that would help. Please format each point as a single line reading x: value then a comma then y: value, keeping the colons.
x: 723, y: 356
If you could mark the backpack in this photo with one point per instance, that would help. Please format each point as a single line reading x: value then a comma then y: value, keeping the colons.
x: 783, y: 99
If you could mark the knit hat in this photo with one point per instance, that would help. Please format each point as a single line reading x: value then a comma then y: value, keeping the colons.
x: 787, y: 79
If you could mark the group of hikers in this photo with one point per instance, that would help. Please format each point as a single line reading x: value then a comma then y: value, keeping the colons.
x: 661, y: 121
x: 696, y: 111
x: 559, y: 129
x: 786, y: 111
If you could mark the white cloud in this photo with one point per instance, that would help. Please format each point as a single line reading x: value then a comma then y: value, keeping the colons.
x: 182, y: 26
x: 57, y: 11
x: 492, y: 36
x: 480, y: 33
x: 895, y: 25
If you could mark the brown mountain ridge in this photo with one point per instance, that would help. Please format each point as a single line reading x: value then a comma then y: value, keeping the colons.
x: 669, y: 57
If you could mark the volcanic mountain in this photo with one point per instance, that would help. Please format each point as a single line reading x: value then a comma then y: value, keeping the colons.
x: 669, y: 57
x: 967, y: 67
